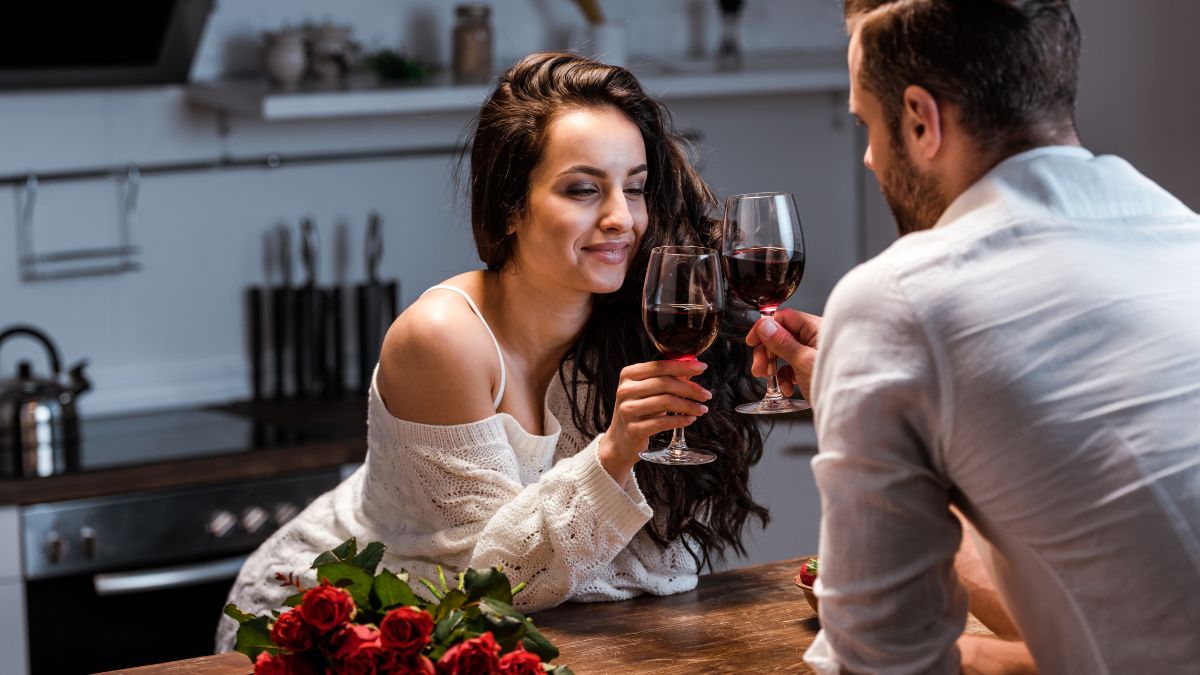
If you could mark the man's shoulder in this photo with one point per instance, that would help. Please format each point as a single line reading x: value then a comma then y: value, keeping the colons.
x: 885, y: 282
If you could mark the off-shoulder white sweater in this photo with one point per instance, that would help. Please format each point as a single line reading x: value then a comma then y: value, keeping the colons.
x: 477, y: 495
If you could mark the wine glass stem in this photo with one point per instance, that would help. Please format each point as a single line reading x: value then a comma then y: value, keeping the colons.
x: 678, y: 444
x: 773, y: 391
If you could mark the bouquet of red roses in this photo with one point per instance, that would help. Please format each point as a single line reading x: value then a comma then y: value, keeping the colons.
x: 361, y: 623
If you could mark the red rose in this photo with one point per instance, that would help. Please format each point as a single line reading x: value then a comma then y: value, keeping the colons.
x: 356, y: 651
x: 471, y: 657
x: 327, y: 607
x: 521, y: 662
x: 406, y: 631
x: 290, y: 632
x: 417, y: 665
x: 283, y: 664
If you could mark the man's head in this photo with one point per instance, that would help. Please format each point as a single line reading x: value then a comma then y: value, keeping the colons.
x: 949, y: 88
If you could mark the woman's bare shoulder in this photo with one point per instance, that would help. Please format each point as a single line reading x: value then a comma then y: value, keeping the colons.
x: 438, y: 364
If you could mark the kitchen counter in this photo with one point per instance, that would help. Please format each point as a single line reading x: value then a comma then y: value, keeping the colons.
x: 319, y: 434
x: 748, y: 620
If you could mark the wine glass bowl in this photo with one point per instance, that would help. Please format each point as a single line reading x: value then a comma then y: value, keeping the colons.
x: 763, y: 255
x: 683, y: 301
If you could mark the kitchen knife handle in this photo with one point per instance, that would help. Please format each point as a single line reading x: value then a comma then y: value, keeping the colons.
x: 254, y: 311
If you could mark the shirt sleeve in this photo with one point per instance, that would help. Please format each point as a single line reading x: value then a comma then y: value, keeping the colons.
x: 890, y: 598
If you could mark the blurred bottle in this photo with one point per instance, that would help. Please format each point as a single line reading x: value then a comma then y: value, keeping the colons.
x: 729, y: 52
x: 472, y: 43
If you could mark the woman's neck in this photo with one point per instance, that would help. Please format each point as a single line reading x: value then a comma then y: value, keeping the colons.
x: 534, y: 324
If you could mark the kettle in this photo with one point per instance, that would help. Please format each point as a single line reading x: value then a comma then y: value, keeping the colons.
x: 39, y: 426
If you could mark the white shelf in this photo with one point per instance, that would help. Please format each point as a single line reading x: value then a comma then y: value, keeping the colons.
x: 776, y: 74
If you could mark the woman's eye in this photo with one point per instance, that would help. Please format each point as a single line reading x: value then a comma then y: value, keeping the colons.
x: 635, y: 191
x: 582, y: 191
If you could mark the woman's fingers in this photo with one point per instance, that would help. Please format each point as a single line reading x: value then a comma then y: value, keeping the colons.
x: 662, y: 404
x: 636, y: 389
x: 656, y: 425
x: 663, y: 368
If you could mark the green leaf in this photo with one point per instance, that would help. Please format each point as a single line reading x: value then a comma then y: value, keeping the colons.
x: 489, y: 583
x: 389, y: 590
x: 370, y: 557
x: 254, y: 638
x: 452, y: 601
x: 561, y: 670
x: 506, y: 624
x: 346, y: 549
x: 445, y: 626
x: 537, y: 643
x: 232, y: 611
x: 294, y: 600
x: 351, y: 578
x: 326, y: 558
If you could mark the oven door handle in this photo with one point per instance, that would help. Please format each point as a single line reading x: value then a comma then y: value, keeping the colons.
x: 118, y: 583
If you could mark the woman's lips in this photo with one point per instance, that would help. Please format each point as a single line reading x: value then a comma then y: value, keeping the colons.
x: 613, y: 253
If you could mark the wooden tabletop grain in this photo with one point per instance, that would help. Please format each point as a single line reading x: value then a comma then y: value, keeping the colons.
x: 748, y: 620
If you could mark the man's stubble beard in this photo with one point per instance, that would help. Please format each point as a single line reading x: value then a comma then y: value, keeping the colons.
x: 914, y: 197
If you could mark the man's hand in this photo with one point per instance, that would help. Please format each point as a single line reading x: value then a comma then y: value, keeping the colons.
x: 796, y: 344
x: 993, y: 656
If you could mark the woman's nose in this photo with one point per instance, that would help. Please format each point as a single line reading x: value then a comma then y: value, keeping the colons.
x: 616, y: 215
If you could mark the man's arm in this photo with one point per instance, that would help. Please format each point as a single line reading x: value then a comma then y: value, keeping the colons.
x: 890, y: 597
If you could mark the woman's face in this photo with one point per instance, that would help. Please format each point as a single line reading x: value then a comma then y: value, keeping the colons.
x: 586, y: 211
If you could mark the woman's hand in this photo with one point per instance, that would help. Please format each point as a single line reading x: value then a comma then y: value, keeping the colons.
x: 645, y: 394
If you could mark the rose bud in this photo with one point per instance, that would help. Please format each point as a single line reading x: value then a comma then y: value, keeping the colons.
x: 406, y: 631
x: 520, y: 662
x: 291, y: 632
x: 327, y: 607
x: 477, y: 655
x: 356, y: 651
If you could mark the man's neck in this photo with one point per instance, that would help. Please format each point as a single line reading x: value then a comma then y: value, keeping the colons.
x: 975, y: 163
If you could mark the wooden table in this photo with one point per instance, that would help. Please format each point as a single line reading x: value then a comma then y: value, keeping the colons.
x: 748, y: 620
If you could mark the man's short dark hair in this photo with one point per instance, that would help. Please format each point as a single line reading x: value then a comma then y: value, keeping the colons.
x: 1011, y: 67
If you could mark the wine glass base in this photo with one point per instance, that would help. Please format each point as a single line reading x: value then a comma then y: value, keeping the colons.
x: 677, y: 457
x: 774, y: 406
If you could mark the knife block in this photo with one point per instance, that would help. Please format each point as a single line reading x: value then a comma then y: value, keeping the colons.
x: 296, y: 337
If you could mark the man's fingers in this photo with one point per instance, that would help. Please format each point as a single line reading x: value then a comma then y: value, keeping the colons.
x: 804, y: 327
x: 778, y: 340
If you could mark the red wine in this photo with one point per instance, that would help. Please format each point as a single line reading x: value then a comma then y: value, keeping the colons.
x: 682, y: 331
x: 764, y: 276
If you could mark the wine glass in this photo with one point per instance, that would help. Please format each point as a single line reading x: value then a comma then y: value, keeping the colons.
x: 763, y: 252
x: 682, y: 304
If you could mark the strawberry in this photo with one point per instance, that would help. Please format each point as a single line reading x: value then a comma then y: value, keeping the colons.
x: 809, y: 570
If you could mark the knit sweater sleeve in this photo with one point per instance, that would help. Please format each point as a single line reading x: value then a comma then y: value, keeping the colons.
x: 562, y: 532
x: 488, y: 494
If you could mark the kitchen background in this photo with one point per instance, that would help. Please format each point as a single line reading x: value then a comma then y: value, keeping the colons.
x: 173, y: 334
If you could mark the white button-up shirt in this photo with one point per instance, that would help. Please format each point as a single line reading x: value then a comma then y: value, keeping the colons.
x: 1033, y: 359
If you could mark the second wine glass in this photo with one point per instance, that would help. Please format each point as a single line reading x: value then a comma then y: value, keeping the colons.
x: 763, y: 252
x: 682, y: 305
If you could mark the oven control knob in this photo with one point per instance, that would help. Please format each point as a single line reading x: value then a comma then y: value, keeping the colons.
x: 87, y: 540
x: 253, y: 518
x: 221, y: 523
x: 284, y: 512
x: 56, y: 547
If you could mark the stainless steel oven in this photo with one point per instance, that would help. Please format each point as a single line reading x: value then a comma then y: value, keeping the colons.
x: 123, y: 575
x: 128, y: 580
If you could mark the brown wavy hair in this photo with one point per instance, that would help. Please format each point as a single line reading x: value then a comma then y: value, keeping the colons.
x: 707, y: 505
x: 1011, y: 66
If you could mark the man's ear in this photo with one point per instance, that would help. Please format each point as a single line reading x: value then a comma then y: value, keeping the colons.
x: 921, y: 124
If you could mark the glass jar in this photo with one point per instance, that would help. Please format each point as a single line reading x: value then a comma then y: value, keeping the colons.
x: 472, y: 43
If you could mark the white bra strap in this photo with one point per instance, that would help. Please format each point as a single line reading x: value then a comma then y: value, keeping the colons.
x: 499, y: 353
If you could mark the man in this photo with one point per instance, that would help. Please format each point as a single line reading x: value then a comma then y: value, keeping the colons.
x: 1028, y: 353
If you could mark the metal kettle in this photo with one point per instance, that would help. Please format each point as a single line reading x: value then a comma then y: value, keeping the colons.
x: 39, y: 426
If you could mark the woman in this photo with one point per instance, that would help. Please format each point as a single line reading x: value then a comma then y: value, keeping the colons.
x: 509, y: 405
